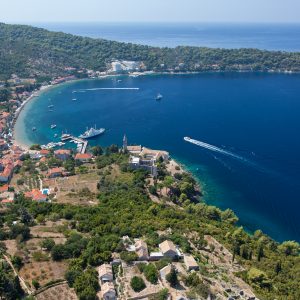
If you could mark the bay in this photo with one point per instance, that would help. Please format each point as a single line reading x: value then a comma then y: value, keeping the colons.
x: 254, y: 116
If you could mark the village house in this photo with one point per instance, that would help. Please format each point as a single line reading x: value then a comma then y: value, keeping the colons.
x: 108, y: 291
x: 5, y: 195
x: 44, y: 152
x: 62, y: 154
x: 6, y: 170
x: 141, y: 249
x: 36, y: 195
x: 190, y: 263
x: 168, y: 249
x: 105, y: 273
x: 83, y: 157
x: 55, y: 172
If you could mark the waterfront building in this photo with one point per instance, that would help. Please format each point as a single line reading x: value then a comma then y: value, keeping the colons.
x: 146, y: 164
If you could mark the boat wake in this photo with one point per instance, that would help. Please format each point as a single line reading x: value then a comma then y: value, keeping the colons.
x: 108, y: 88
x: 227, y: 153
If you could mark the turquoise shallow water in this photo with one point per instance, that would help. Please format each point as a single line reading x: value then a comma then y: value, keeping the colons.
x: 253, y: 116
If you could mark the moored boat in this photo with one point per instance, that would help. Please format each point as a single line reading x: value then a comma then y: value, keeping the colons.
x: 89, y: 133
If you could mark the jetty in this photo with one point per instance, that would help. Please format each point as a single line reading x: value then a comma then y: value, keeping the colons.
x: 81, y: 143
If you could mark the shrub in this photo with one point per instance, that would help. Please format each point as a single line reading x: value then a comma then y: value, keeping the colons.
x: 48, y: 244
x: 35, y: 283
x: 151, y: 273
x: 137, y: 283
x: 128, y: 256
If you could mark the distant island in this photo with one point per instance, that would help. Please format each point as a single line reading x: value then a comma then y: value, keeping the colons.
x: 38, y: 53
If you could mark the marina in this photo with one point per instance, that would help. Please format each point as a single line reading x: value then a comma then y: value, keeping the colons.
x: 81, y: 143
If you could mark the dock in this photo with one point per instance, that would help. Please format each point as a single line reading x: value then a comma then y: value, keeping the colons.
x: 81, y: 143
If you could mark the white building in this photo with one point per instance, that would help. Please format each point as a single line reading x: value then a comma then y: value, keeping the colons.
x: 118, y: 66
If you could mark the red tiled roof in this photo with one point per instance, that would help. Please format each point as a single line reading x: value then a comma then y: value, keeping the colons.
x: 36, y: 195
x: 44, y: 152
x: 43, y: 159
x: 83, y: 156
x: 55, y: 170
x: 4, y: 188
x: 7, y: 201
x: 62, y: 151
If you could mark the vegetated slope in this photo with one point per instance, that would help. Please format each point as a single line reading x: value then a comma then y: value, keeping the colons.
x: 27, y: 50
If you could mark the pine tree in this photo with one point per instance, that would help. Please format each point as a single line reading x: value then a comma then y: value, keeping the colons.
x: 278, y: 267
x: 260, y: 252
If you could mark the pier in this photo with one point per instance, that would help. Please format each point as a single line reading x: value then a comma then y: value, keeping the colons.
x: 81, y: 143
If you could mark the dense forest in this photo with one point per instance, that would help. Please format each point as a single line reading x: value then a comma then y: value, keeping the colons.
x: 30, y: 51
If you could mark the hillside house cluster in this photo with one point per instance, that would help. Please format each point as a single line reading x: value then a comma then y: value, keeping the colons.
x: 144, y: 158
x: 167, y: 249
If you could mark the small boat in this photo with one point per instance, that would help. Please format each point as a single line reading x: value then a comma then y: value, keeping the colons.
x: 51, y: 110
x: 33, y: 128
x: 65, y: 136
x: 55, y: 135
x: 119, y: 80
x: 53, y: 126
x: 159, y: 96
x: 50, y: 106
x: 74, y: 99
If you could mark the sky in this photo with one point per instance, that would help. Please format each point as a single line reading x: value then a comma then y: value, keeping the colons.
x: 39, y: 11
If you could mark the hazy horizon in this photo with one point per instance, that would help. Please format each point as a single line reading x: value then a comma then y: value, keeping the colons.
x: 167, y: 11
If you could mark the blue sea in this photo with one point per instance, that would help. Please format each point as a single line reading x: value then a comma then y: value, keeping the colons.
x: 284, y: 37
x: 252, y: 118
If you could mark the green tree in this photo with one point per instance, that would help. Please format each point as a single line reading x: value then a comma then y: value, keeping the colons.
x: 48, y: 244
x: 260, y: 252
x: 137, y: 283
x: 172, y: 277
x: 151, y: 273
x: 17, y: 262
x: 289, y: 248
x: 97, y: 150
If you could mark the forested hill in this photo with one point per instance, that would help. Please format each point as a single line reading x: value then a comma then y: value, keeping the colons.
x: 30, y: 51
